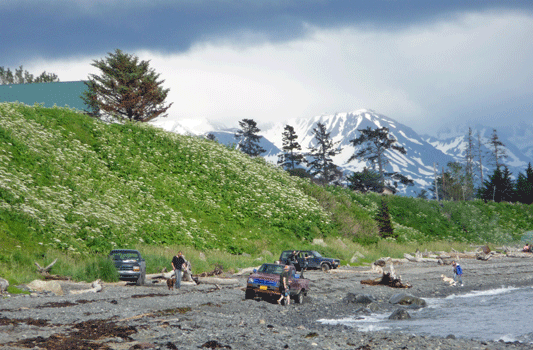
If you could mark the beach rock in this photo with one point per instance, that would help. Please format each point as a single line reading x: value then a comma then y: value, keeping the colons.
x: 3, y: 285
x: 407, y: 299
x: 400, y: 314
x: 358, y: 298
x: 363, y: 311
x: 46, y: 286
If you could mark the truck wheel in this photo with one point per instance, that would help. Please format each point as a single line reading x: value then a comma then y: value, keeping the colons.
x: 299, y: 298
x: 325, y: 267
x: 249, y: 294
x: 140, y: 280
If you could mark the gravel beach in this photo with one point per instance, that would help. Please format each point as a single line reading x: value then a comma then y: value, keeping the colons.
x: 216, y: 316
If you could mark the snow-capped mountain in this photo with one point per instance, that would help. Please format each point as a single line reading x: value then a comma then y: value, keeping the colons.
x: 417, y: 164
x: 423, y: 152
x: 197, y: 126
x: 454, y: 142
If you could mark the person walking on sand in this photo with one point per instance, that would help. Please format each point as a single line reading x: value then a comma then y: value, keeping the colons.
x: 178, y: 263
x: 284, y: 286
x: 457, y: 273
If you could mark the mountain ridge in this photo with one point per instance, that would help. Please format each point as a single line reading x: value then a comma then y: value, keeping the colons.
x: 425, y: 154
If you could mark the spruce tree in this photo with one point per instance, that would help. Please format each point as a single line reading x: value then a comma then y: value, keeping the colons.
x: 322, y: 165
x: 365, y: 181
x: 376, y: 142
x: 524, y: 186
x: 291, y: 157
x: 499, y: 187
x: 126, y: 88
x: 498, y: 149
x: 384, y: 222
x: 248, y: 138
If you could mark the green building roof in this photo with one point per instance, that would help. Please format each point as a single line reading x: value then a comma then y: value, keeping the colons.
x: 61, y: 94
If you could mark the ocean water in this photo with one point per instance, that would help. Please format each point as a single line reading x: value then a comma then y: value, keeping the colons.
x: 499, y: 314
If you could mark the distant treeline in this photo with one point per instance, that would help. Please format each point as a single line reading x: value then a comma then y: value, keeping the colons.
x: 22, y: 76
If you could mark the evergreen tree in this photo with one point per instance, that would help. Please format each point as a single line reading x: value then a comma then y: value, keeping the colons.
x: 468, y: 179
x: 451, y: 183
x: 22, y: 76
x: 376, y: 143
x: 524, y: 186
x: 322, y: 165
x: 248, y: 138
x: 498, y: 149
x: 499, y: 187
x: 290, y: 157
x: 211, y: 137
x: 384, y: 222
x: 480, y: 155
x: 365, y: 181
x: 126, y: 88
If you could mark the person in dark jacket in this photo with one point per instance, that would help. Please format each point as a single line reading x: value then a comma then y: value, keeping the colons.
x: 178, y: 264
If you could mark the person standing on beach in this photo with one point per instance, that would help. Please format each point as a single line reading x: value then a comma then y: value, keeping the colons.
x: 284, y: 286
x: 178, y: 263
x: 457, y: 273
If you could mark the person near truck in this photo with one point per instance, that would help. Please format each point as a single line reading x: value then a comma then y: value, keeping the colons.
x: 178, y: 263
x: 284, y: 286
x: 303, y: 263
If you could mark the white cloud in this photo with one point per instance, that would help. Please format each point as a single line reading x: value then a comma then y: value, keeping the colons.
x: 418, y: 76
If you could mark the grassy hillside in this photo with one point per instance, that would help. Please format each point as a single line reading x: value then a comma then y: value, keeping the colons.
x: 74, y: 186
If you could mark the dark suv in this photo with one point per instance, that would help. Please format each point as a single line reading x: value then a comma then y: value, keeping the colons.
x: 313, y: 258
x: 130, y: 265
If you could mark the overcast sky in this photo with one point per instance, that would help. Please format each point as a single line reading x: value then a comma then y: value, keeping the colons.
x: 423, y: 63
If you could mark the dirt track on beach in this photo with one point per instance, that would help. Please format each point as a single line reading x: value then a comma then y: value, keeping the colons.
x: 209, y: 316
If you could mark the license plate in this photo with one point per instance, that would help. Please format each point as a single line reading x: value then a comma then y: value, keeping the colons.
x: 263, y: 287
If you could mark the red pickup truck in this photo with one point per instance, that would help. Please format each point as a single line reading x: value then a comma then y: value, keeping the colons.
x: 265, y: 282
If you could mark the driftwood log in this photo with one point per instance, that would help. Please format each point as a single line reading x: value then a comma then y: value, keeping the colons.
x: 387, y: 280
x: 45, y: 271
x: 96, y: 287
x: 420, y: 259
x: 186, y: 275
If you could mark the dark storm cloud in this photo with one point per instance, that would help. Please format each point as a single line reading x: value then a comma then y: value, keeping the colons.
x: 55, y: 29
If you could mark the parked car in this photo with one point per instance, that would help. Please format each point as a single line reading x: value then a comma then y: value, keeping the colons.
x: 130, y: 265
x: 313, y: 258
x: 265, y: 282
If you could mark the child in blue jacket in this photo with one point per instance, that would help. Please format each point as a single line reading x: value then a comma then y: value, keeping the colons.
x: 457, y: 273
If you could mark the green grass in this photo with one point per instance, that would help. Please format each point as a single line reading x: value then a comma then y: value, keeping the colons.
x: 73, y: 188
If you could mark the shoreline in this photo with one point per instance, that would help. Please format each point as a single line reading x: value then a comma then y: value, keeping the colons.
x: 196, y: 315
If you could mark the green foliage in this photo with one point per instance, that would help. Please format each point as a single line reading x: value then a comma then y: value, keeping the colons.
x: 291, y: 155
x: 99, y: 267
x: 248, y: 138
x: 384, y: 221
x: 22, y: 76
x: 73, y: 188
x: 126, y: 88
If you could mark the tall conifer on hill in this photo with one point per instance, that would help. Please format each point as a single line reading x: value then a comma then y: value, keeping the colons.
x: 524, y: 186
x: 376, y: 142
x: 322, y: 165
x: 291, y: 155
x: 126, y: 89
x: 248, y: 138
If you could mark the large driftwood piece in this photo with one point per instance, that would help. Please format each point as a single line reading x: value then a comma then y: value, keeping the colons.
x: 415, y: 259
x: 387, y: 280
x: 45, y: 270
x: 96, y: 287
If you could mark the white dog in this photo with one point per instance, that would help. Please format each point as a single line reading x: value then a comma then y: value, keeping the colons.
x: 448, y: 280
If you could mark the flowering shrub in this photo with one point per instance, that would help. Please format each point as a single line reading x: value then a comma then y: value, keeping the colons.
x: 83, y: 185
